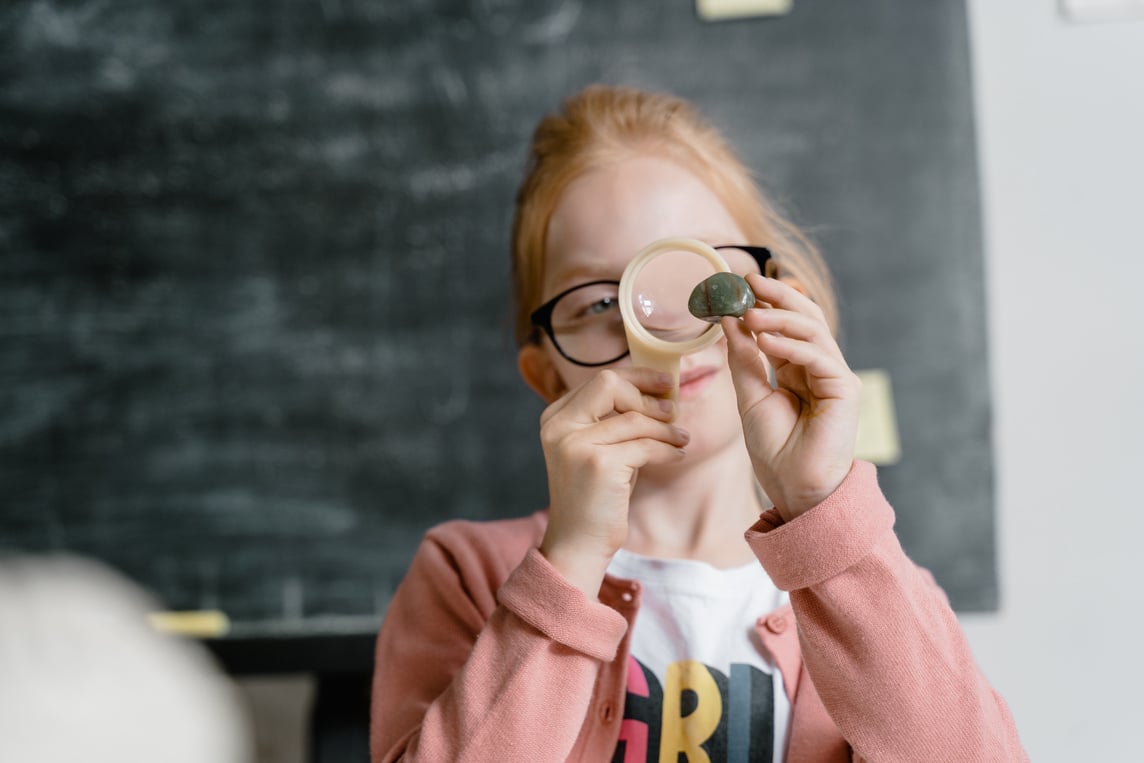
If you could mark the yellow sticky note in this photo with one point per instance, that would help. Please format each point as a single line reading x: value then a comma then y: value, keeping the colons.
x: 877, y: 425
x: 206, y: 623
x: 718, y: 10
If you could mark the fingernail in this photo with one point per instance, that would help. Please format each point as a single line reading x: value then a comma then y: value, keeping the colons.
x: 665, y: 405
x: 684, y: 433
x: 664, y: 378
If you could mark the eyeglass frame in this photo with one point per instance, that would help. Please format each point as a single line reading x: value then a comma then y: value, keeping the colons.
x: 541, y: 317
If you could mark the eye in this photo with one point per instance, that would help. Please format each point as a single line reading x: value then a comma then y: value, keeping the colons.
x: 588, y: 304
x: 601, y: 306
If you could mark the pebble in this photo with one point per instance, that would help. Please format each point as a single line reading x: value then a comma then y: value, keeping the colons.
x: 719, y: 295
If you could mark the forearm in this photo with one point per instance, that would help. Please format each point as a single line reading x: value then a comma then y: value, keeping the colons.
x: 520, y: 696
x: 521, y: 691
x: 880, y: 642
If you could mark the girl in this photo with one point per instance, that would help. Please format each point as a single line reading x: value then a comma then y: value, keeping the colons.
x: 632, y: 620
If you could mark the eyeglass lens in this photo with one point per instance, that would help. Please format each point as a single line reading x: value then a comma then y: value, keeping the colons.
x: 587, y: 325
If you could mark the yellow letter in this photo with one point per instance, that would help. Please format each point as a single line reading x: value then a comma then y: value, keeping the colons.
x: 684, y: 735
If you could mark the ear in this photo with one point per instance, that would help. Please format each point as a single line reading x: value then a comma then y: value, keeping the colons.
x: 540, y: 373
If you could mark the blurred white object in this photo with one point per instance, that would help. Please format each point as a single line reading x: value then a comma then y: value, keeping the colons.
x: 84, y: 677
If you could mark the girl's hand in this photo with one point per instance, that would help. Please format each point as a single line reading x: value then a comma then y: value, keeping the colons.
x: 800, y: 434
x: 595, y: 439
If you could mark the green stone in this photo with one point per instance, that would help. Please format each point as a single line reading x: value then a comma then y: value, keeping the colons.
x: 719, y: 295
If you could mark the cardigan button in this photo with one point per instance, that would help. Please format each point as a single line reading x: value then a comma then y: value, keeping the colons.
x: 776, y: 623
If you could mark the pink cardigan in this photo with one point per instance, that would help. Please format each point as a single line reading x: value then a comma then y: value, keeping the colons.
x: 488, y: 654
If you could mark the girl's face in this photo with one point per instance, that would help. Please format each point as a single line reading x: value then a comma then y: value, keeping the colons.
x: 602, y: 220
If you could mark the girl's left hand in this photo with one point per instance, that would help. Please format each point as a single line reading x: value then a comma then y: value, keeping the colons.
x: 800, y: 434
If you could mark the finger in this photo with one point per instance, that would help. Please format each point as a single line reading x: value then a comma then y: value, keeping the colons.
x: 631, y: 426
x: 640, y: 453
x: 749, y: 355
x: 637, y: 454
x: 646, y: 379
x: 748, y: 369
x: 817, y: 361
x: 782, y: 295
x: 654, y: 386
x: 792, y: 325
x: 786, y: 322
x: 617, y: 390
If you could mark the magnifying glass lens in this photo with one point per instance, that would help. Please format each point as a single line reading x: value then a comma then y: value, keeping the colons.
x: 660, y: 292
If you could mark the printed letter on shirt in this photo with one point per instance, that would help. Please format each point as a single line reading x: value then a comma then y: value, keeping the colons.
x: 699, y: 716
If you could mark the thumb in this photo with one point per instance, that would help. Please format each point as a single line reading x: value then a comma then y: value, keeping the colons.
x: 748, y: 368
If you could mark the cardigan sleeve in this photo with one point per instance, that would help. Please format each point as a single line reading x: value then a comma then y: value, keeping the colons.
x: 879, y: 640
x: 455, y: 681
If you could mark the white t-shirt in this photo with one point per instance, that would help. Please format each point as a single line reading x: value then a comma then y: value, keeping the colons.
x: 700, y: 686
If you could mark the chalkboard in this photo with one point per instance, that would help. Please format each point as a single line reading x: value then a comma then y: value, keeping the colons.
x: 228, y: 230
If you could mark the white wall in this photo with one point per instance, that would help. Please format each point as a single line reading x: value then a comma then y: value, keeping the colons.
x: 1060, y: 110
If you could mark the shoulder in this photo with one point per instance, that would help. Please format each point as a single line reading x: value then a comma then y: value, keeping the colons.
x: 496, y: 538
x: 480, y: 555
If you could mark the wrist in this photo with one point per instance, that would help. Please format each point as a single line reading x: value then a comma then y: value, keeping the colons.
x: 791, y: 505
x: 583, y: 568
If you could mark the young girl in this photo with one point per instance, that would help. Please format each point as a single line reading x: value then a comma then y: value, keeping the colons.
x: 632, y: 620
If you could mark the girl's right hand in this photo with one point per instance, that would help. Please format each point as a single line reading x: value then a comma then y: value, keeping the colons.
x: 595, y: 439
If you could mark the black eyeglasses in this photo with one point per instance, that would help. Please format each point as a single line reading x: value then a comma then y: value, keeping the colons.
x: 584, y: 321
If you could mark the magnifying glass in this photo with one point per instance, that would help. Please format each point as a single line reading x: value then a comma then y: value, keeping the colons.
x: 654, y: 293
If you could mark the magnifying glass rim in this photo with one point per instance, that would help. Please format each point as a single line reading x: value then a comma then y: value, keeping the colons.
x: 627, y: 281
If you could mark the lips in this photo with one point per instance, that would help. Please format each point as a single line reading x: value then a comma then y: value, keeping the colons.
x: 692, y: 381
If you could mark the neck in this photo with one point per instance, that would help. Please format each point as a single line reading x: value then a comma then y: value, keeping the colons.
x: 699, y: 511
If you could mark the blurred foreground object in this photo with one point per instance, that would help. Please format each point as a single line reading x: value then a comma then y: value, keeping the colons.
x: 84, y: 676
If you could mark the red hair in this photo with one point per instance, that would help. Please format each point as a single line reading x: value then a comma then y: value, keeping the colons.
x: 601, y: 125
